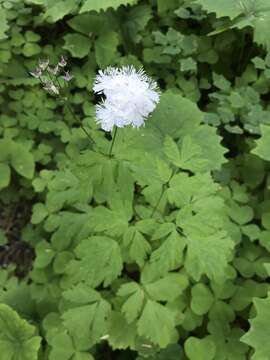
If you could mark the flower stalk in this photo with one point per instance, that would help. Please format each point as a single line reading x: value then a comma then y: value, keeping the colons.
x: 113, y: 141
x: 164, y: 186
x: 49, y: 78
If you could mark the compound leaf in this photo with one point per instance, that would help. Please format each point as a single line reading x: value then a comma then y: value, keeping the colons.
x: 167, y: 288
x: 156, y: 324
x: 208, y: 254
x: 89, y: 312
x: 122, y: 334
x: 259, y: 332
x: 138, y: 246
x: 17, y: 338
x: 100, y: 261
x: 134, y: 302
x: 168, y: 256
x: 175, y: 115
x: 62, y: 347
x: 262, y: 148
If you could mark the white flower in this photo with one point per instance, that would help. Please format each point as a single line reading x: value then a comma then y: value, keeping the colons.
x: 130, y: 97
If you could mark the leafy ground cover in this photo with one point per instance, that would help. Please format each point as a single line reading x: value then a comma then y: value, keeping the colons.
x: 161, y: 251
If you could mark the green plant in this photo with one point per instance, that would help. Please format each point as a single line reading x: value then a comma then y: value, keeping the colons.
x: 161, y: 250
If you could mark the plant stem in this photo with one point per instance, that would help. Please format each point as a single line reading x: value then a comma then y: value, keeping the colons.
x: 71, y: 110
x: 159, y: 200
x: 79, y: 121
x: 162, y: 192
x: 113, y: 141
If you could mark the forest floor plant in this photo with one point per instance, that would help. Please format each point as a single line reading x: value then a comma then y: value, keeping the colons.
x: 135, y: 209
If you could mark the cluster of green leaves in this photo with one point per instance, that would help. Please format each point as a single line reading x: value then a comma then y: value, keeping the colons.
x: 161, y: 251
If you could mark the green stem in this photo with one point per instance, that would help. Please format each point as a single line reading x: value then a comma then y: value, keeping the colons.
x: 79, y: 121
x: 159, y: 200
x: 162, y: 192
x: 113, y: 141
x: 48, y: 73
x: 71, y: 110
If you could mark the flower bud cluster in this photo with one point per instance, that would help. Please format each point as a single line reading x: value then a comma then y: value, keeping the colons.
x: 49, y: 75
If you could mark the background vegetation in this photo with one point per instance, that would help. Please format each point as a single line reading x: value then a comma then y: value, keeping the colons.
x: 163, y: 251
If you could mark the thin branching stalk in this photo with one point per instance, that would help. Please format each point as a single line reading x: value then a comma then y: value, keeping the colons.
x: 164, y: 186
x: 71, y: 110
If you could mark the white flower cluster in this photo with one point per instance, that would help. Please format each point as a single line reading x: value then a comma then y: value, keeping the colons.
x: 130, y: 97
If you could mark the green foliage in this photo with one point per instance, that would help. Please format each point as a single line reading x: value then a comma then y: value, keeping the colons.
x: 4, y: 23
x: 201, y: 299
x: 105, y: 49
x: 142, y: 305
x: 255, y: 14
x: 18, y: 157
x: 100, y: 261
x: 160, y: 251
x: 89, y: 312
x: 262, y: 148
x: 229, y: 8
x: 259, y: 330
x: 198, y: 348
x: 63, y: 348
x: 77, y: 44
x: 95, y: 5
x: 17, y: 338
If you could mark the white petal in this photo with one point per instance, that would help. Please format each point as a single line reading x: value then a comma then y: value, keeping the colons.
x: 130, y: 97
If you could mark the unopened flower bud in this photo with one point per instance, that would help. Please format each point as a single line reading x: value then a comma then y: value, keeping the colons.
x: 62, y: 62
x: 36, y: 73
x: 67, y: 76
x: 43, y: 64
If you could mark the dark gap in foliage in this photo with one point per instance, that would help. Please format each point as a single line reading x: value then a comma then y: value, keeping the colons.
x: 106, y: 353
x: 241, y: 322
x: 13, y: 218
